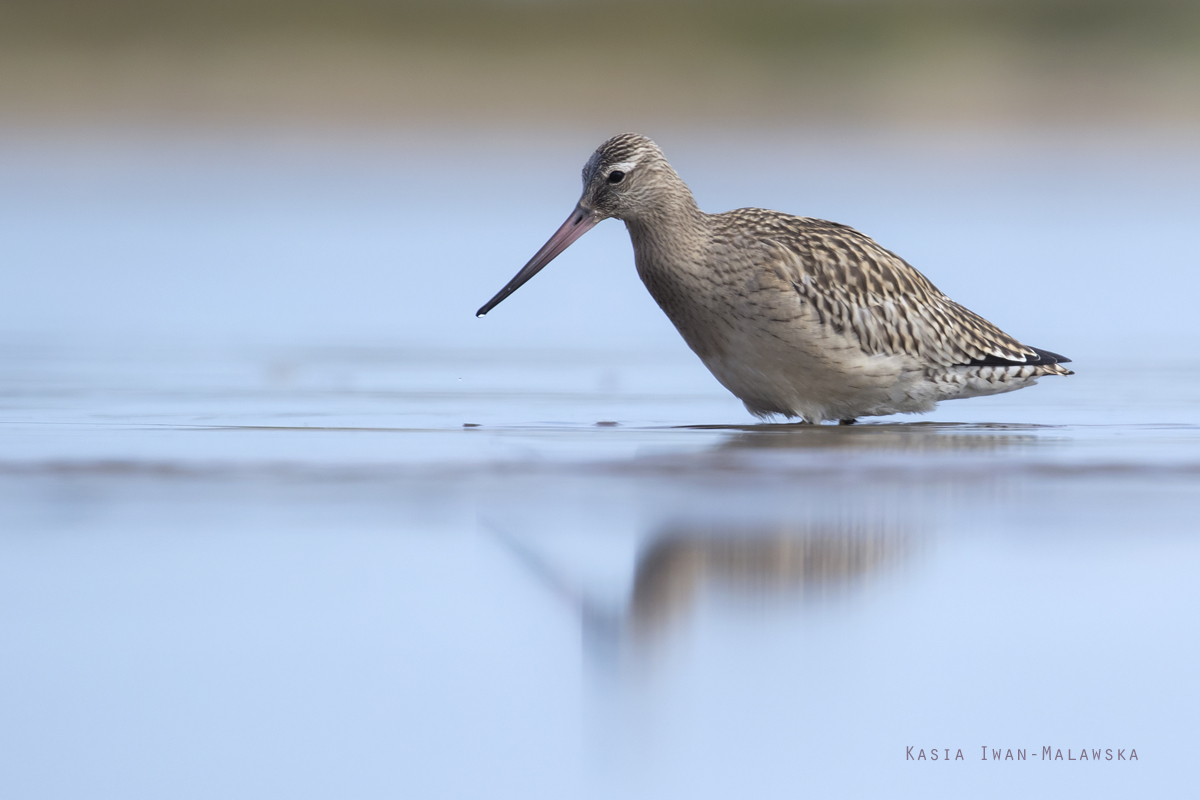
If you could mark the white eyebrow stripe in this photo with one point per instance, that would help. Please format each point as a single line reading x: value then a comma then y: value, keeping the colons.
x: 624, y: 166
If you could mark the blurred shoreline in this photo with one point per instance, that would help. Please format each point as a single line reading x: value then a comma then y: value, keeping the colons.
x: 473, y: 63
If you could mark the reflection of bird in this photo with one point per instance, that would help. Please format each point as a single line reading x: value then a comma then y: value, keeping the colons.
x: 759, y: 560
x: 795, y: 316
x: 748, y: 559
x: 920, y: 437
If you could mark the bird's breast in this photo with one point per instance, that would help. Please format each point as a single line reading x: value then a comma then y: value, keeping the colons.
x: 701, y: 305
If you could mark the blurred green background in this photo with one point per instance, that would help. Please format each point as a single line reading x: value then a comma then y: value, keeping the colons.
x: 614, y: 64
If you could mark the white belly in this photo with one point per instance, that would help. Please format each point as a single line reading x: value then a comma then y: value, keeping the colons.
x: 818, y: 376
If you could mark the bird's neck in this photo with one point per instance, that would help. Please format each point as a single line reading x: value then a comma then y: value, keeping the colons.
x: 671, y: 250
x: 670, y: 234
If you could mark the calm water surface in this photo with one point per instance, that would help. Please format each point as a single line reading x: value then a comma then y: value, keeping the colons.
x: 268, y: 532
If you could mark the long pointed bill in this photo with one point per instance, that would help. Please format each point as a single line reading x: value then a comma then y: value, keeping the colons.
x: 580, y: 222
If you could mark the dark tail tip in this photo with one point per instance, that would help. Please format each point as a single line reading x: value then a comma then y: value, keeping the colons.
x: 1043, y: 357
x: 1046, y: 357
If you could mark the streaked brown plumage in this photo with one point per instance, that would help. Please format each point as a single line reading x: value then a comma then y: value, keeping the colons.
x: 796, y: 316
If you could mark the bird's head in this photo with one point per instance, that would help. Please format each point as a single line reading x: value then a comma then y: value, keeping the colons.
x: 627, y: 178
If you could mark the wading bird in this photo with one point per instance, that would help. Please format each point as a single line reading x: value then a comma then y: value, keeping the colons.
x: 796, y: 316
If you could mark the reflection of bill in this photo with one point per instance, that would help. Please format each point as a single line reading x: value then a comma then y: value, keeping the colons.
x: 682, y: 562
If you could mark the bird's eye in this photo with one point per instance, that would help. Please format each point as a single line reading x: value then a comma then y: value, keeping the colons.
x: 616, y: 176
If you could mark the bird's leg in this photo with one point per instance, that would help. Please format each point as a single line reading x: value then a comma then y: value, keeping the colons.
x: 847, y: 421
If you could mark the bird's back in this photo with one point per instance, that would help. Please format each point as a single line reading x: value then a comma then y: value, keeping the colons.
x: 857, y: 287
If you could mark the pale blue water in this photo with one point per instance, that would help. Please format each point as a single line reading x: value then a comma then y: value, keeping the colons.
x: 248, y: 548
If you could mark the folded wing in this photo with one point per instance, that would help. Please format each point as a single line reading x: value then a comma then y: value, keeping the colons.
x: 857, y: 287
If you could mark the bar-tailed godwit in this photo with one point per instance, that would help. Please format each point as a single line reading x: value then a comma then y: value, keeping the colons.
x: 796, y: 316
